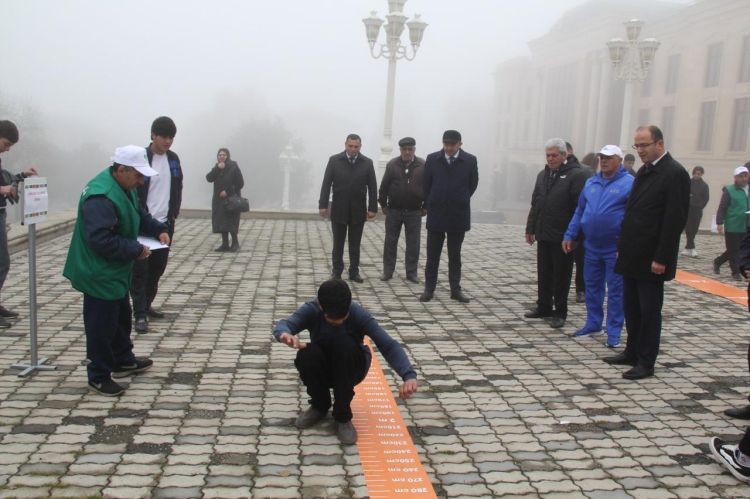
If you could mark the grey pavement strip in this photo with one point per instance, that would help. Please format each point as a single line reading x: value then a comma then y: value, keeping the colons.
x: 506, y: 406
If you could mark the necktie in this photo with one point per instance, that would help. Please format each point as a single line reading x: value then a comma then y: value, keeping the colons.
x: 451, y: 160
x: 352, y: 160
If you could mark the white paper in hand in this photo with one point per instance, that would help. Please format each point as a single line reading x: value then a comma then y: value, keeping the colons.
x: 151, y: 243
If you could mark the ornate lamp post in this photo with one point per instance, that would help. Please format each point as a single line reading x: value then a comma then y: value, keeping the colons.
x: 392, y: 50
x: 287, y: 156
x: 631, y: 60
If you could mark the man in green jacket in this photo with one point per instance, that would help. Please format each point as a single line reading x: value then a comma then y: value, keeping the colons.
x: 732, y: 220
x: 100, y: 261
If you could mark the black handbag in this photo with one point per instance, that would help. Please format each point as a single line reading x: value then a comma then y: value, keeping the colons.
x: 235, y: 204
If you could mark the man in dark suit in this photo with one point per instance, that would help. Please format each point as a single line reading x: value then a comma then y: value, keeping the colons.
x: 352, y: 177
x: 553, y: 203
x: 450, y: 178
x: 655, y: 216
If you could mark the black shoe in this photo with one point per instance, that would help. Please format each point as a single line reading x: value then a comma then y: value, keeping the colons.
x: 346, y: 432
x: 556, y: 322
x: 621, y: 359
x: 386, y: 277
x: 141, y: 364
x: 459, y: 296
x: 141, y: 325
x: 334, y: 275
x: 234, y: 248
x: 412, y: 278
x: 154, y: 313
x: 638, y: 372
x: 309, y: 417
x: 728, y: 455
x: 537, y: 314
x: 107, y: 388
x: 426, y: 296
x: 356, y: 278
x: 8, y: 314
x: 4, y: 323
x: 222, y: 248
x: 717, y: 268
x: 580, y: 297
x: 738, y: 412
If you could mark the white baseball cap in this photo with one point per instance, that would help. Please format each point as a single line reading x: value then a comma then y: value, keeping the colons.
x: 610, y: 150
x: 135, y: 157
x: 740, y: 169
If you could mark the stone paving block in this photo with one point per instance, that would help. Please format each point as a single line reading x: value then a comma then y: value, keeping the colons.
x: 75, y: 492
x: 24, y: 492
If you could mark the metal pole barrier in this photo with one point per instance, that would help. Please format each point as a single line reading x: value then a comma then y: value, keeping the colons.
x: 34, y: 364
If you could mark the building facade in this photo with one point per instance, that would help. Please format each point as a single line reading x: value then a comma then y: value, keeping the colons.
x: 697, y: 91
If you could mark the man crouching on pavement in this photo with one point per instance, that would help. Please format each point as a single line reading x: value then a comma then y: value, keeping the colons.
x: 100, y: 260
x: 336, y: 356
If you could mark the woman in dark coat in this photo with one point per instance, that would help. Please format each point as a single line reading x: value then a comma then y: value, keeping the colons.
x: 227, y: 179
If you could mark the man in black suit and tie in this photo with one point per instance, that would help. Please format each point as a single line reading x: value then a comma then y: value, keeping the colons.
x: 655, y: 216
x: 352, y: 177
x: 450, y: 178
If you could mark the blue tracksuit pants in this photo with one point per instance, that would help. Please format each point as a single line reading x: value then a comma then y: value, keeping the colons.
x: 599, y: 269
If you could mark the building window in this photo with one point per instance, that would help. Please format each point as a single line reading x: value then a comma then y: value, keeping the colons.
x: 643, y: 117
x: 745, y: 60
x: 673, y: 70
x: 713, y: 65
x: 740, y: 125
x: 667, y: 123
x: 706, y: 125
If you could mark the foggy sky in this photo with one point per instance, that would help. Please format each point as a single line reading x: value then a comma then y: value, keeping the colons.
x: 100, y: 71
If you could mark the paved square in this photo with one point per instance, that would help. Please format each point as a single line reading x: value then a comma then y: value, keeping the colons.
x: 507, y: 406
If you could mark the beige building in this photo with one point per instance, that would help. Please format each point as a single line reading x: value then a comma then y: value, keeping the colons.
x: 697, y: 91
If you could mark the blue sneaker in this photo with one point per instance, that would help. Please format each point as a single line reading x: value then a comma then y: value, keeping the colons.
x: 584, y: 331
x: 613, y: 344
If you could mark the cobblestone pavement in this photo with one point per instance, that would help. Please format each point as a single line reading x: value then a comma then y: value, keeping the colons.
x: 507, y: 406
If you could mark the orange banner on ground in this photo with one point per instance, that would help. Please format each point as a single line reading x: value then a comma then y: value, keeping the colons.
x: 712, y: 286
x: 388, y: 456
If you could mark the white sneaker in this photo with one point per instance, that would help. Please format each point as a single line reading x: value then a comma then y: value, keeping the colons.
x: 685, y: 252
x: 693, y: 253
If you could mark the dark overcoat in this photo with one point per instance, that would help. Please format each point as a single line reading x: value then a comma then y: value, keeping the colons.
x: 448, y: 190
x: 228, y: 179
x: 655, y: 216
x: 354, y: 189
x: 554, y: 201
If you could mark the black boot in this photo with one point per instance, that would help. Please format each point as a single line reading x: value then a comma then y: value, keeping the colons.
x: 224, y: 242
x: 235, y: 243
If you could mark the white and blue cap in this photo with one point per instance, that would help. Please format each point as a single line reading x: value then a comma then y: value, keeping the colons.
x: 611, y: 150
x: 135, y: 157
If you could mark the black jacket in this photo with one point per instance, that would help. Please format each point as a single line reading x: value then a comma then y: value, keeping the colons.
x: 227, y: 179
x: 698, y: 193
x: 354, y: 186
x: 554, y: 201
x: 175, y: 193
x: 655, y: 217
x: 401, y: 190
x: 448, y: 190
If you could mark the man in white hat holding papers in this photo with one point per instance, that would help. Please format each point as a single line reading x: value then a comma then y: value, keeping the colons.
x: 732, y: 220
x: 99, y: 264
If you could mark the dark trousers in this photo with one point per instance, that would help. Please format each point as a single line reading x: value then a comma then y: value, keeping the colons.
x: 107, y: 325
x: 336, y: 362
x: 144, y: 282
x: 434, y: 249
x: 554, y: 270
x: 643, y: 300
x: 691, y: 227
x: 339, y: 237
x: 580, y: 259
x: 411, y: 220
x: 4, y: 254
x: 732, y: 242
x: 745, y: 443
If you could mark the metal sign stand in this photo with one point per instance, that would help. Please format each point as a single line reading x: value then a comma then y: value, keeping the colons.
x: 34, y: 364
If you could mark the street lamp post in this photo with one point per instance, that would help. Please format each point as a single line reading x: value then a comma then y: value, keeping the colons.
x: 287, y: 156
x: 631, y: 60
x: 393, y: 50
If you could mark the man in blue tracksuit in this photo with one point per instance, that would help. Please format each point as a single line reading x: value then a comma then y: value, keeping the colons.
x: 601, y: 208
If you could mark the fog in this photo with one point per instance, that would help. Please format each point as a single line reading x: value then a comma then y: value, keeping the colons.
x: 81, y: 77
